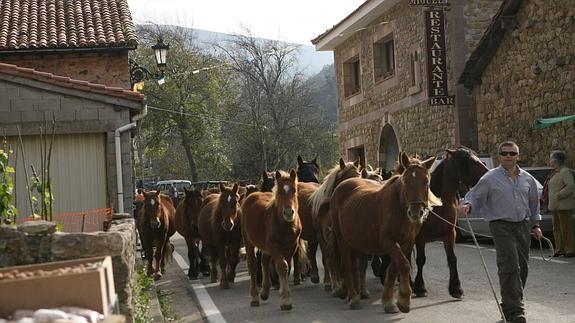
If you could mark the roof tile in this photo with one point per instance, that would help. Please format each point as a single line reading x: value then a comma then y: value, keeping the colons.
x: 67, y: 82
x: 49, y: 24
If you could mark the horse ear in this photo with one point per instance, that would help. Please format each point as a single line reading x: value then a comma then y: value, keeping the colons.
x: 235, y: 188
x: 379, y: 171
x: 404, y: 159
x: 299, y: 160
x: 358, y: 163
x: 364, y: 173
x: 264, y: 175
x: 429, y: 162
x: 450, y: 151
x: 140, y: 191
x: 341, y: 163
x: 293, y: 174
x: 222, y: 187
x: 158, y: 193
x: 278, y: 175
x: 370, y: 168
x: 314, y: 161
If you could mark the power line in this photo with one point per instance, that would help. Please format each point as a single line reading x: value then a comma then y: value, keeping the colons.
x: 197, y: 115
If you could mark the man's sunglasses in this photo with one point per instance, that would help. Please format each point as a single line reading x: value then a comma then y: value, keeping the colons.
x: 508, y: 153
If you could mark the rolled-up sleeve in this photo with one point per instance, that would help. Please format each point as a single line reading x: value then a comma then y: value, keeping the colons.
x: 534, y: 201
x: 477, y: 196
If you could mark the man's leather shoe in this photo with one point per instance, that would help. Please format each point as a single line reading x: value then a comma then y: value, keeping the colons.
x: 569, y: 255
x: 518, y: 319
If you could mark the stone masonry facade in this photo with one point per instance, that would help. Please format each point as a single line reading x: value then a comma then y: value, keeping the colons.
x: 395, y: 101
x: 531, y: 76
x: 110, y: 68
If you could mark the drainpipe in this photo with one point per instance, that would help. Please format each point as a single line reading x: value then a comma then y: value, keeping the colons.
x: 119, y: 175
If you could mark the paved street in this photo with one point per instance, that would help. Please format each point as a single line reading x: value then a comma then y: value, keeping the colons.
x: 549, y: 295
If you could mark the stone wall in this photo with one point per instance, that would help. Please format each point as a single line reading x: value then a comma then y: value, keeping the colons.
x: 531, y: 76
x: 110, y: 68
x: 419, y: 128
x: 35, y: 242
x: 478, y: 16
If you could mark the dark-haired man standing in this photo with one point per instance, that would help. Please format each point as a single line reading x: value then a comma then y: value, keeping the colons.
x: 507, y: 196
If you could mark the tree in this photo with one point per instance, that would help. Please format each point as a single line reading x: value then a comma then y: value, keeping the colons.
x: 186, y: 113
x: 277, y: 101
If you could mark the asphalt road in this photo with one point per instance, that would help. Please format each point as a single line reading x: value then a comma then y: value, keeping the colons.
x: 549, y: 293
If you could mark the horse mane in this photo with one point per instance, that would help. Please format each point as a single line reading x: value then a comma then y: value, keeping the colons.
x: 325, y: 189
x: 436, y: 183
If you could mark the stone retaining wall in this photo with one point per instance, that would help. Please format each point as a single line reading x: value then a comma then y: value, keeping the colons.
x: 36, y: 242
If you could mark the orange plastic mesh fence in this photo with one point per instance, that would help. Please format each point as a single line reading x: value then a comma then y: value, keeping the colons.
x: 85, y: 221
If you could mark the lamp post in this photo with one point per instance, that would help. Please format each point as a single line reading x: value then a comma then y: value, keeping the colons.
x: 139, y: 73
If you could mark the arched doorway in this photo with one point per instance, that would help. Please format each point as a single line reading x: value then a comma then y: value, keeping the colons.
x: 388, y: 148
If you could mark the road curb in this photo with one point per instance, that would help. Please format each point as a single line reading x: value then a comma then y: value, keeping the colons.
x: 155, y: 310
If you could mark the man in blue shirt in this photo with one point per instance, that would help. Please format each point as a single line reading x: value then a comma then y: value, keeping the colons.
x: 507, y: 197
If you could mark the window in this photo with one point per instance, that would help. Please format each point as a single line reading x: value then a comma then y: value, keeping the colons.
x: 351, y: 76
x: 383, y: 58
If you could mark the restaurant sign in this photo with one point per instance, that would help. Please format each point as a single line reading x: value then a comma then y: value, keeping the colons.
x: 436, y: 61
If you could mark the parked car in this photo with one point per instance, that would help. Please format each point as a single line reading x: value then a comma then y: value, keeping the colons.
x: 481, y: 227
x: 174, y: 188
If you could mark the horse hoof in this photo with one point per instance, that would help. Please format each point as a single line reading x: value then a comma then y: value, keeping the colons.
x: 327, y: 288
x: 354, y: 305
x: 158, y: 276
x: 297, y: 282
x: 315, y: 279
x: 365, y: 294
x: 403, y: 308
x: 286, y: 307
x: 193, y: 277
x: 341, y: 293
x: 264, y: 295
x: 457, y: 295
x: 254, y: 303
x: 390, y: 308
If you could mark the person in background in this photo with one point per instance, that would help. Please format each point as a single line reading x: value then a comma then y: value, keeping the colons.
x: 561, y: 201
x: 508, y: 197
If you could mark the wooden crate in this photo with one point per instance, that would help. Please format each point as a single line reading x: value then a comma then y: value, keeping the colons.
x: 92, y: 289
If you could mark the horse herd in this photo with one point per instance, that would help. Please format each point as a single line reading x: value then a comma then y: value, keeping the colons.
x: 352, y: 215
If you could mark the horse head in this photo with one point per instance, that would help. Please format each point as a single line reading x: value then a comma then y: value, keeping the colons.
x: 193, y: 199
x: 468, y: 167
x: 307, y: 171
x: 228, y: 203
x: 347, y: 170
x: 415, y: 192
x: 152, y: 209
x: 266, y: 182
x: 285, y: 194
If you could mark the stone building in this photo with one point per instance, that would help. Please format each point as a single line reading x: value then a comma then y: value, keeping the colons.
x: 524, y: 69
x: 68, y: 61
x: 387, y: 100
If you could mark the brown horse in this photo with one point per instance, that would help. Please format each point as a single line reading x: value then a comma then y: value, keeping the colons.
x: 370, y: 218
x: 156, y: 226
x: 219, y: 228
x: 460, y: 166
x: 186, y: 222
x: 270, y: 222
x: 314, y: 208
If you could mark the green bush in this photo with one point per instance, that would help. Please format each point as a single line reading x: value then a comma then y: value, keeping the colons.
x: 141, y: 297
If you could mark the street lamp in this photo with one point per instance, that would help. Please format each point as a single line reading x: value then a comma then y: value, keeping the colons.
x: 139, y: 73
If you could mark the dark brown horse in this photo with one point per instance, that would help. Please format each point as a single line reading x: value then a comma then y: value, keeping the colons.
x: 370, y: 218
x: 156, y: 226
x: 460, y: 166
x: 219, y: 227
x: 270, y: 222
x: 186, y: 222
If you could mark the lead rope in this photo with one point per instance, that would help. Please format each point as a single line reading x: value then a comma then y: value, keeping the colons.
x: 482, y: 261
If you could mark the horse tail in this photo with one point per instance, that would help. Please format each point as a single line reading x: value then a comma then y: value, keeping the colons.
x: 304, y: 263
x: 167, y: 251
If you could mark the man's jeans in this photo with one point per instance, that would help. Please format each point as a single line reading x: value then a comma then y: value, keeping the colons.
x: 512, y: 241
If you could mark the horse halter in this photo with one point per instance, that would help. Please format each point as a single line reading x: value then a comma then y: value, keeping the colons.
x: 424, y: 203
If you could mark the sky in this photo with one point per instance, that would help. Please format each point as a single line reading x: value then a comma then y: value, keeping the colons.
x: 296, y: 21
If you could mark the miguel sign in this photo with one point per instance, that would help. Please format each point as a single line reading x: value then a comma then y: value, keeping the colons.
x: 427, y: 2
x: 436, y: 62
